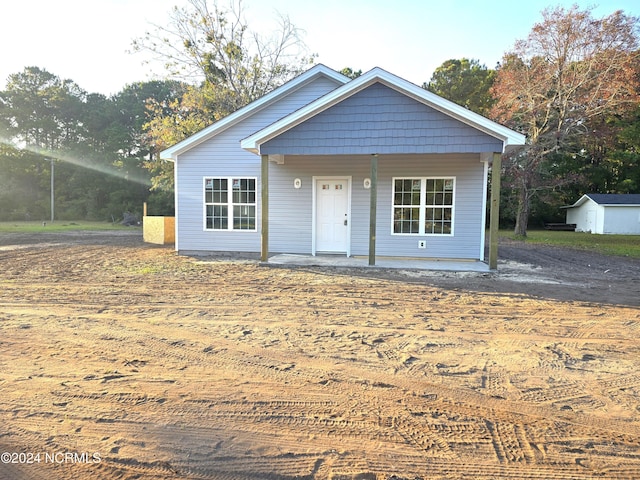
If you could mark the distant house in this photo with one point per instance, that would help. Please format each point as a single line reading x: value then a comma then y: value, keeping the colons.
x: 329, y: 165
x: 606, y: 213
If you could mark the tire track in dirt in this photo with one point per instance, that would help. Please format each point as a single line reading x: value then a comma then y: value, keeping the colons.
x: 187, y: 353
x: 264, y: 377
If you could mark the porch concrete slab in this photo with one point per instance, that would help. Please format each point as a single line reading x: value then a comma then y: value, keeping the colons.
x: 381, y: 262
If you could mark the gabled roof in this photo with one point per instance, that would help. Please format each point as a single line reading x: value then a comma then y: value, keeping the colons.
x: 609, y: 199
x: 509, y: 137
x: 615, y: 198
x: 313, y: 73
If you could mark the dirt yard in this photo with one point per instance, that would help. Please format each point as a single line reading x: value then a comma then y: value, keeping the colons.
x: 120, y: 360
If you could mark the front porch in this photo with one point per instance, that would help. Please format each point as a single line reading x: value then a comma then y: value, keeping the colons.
x: 402, y: 263
x: 413, y: 168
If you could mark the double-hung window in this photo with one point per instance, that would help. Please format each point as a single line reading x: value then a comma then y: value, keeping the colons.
x: 423, y: 206
x: 230, y: 203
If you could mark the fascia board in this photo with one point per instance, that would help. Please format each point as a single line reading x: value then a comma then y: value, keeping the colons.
x: 172, y: 153
x: 579, y: 202
x: 619, y: 204
x: 509, y: 137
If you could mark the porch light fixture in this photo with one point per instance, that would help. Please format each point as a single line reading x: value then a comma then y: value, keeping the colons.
x: 367, y: 183
x: 297, y: 183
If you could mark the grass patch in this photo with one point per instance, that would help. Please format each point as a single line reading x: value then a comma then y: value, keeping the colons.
x: 623, y: 245
x: 147, y: 269
x: 57, y: 226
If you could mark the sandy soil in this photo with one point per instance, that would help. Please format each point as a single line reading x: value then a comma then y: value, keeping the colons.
x: 122, y: 360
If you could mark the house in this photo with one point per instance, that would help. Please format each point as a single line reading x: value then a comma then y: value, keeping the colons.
x: 606, y: 213
x: 328, y: 165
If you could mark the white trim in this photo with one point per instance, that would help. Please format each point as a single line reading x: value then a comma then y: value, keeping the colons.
x: 423, y: 206
x: 172, y: 152
x: 314, y: 181
x: 579, y: 202
x: 175, y: 207
x: 230, y: 204
x: 509, y: 137
x: 485, y: 191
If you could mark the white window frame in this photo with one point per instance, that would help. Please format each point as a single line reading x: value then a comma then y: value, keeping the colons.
x: 229, y: 203
x: 423, y: 206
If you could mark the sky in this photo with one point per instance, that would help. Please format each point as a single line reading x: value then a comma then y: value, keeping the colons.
x: 89, y: 41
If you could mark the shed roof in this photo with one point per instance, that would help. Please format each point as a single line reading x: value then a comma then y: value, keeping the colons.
x: 609, y: 199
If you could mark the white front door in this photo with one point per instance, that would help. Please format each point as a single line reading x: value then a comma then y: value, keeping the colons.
x: 332, y: 209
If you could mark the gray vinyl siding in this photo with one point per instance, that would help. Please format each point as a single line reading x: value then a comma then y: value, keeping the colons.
x: 412, y: 140
x: 381, y: 120
x: 290, y: 212
x: 222, y: 156
x: 468, y: 204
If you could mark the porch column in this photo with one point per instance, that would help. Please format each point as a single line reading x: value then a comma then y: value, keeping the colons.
x: 264, y: 188
x: 373, y: 203
x: 494, y: 213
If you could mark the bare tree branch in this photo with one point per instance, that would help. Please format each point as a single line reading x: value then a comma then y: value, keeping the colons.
x: 204, y: 43
x: 570, y: 70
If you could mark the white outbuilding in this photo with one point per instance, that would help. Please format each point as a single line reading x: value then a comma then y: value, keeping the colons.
x: 606, y: 213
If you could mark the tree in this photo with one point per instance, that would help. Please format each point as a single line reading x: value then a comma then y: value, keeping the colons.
x: 225, y: 64
x: 626, y: 158
x: 24, y: 193
x: 40, y: 111
x: 98, y: 144
x: 464, y: 82
x: 352, y: 74
x: 39, y: 116
x: 611, y: 156
x: 569, y: 71
x: 205, y: 43
x: 171, y: 121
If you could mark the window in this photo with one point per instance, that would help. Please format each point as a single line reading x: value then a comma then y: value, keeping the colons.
x: 423, y: 206
x: 230, y: 203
